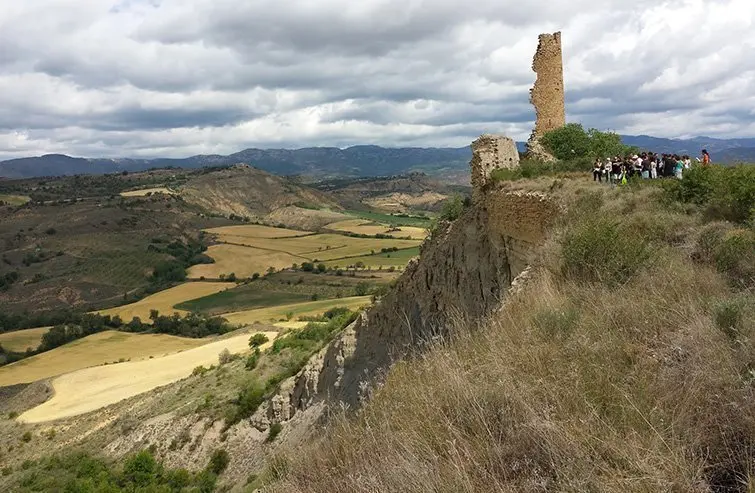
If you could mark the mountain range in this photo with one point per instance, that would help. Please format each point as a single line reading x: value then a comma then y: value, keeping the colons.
x: 361, y: 160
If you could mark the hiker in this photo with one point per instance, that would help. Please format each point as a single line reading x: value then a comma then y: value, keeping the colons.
x: 597, y: 172
x: 706, y: 158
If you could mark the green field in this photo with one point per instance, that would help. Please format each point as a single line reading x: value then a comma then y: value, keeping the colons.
x: 419, y: 222
x: 279, y: 289
x: 391, y: 259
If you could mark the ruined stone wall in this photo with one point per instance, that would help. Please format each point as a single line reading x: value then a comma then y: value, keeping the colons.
x: 547, y: 95
x: 491, y: 152
x: 464, y: 274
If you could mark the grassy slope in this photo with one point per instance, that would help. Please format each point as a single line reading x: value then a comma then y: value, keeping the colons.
x: 611, y: 371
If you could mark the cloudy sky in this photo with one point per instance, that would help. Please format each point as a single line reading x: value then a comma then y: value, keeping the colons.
x: 180, y: 77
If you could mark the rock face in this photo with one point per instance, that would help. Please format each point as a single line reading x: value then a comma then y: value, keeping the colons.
x: 547, y: 95
x: 463, y: 275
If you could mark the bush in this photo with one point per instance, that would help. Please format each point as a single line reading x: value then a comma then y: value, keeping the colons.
x: 273, y: 432
x: 258, y: 340
x: 253, y: 359
x: 218, y: 461
x: 728, y: 315
x: 597, y: 251
x: 735, y: 257
x: 26, y: 437
x: 225, y: 357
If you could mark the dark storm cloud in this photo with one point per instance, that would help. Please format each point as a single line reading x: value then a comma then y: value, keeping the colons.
x: 176, y: 77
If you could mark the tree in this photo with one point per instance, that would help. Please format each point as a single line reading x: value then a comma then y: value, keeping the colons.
x: 359, y: 265
x: 255, y: 276
x: 321, y: 268
x: 154, y: 314
x: 568, y: 142
x: 362, y: 288
x: 257, y: 340
x: 231, y: 277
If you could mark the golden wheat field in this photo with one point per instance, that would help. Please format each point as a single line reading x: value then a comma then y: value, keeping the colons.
x: 89, y: 389
x: 144, y: 191
x: 366, y: 227
x: 281, y: 313
x: 164, y: 301
x: 97, y: 349
x: 241, y: 261
x: 254, y: 231
x: 20, y: 340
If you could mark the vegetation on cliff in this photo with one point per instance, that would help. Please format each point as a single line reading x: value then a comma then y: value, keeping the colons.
x: 624, y: 364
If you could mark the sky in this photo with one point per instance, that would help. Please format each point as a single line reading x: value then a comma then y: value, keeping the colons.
x: 159, y: 78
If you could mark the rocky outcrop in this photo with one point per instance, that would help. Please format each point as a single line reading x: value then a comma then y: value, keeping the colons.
x: 547, y: 95
x: 464, y: 273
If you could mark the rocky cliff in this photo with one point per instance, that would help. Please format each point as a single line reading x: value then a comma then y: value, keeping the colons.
x: 464, y: 273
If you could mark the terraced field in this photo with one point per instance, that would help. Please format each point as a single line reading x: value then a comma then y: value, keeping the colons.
x: 165, y: 300
x: 20, y: 340
x: 280, y: 313
x: 97, y: 349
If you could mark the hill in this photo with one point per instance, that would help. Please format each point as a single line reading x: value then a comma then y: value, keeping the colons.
x: 448, y: 164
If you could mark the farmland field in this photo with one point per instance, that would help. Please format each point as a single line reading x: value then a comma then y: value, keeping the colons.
x: 385, y: 260
x: 242, y: 261
x: 93, y: 388
x: 14, y: 199
x: 328, y: 246
x: 144, y: 191
x: 242, y: 298
x: 165, y: 300
x: 20, y: 340
x: 366, y: 227
x: 419, y: 222
x: 279, y: 313
x: 97, y: 349
x: 255, y: 231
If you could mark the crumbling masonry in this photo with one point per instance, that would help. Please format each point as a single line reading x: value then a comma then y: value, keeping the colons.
x: 547, y: 95
x: 491, y: 152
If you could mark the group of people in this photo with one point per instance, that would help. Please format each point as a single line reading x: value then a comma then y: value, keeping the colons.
x: 647, y: 165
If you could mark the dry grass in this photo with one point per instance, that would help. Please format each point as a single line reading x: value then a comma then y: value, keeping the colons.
x: 164, y: 301
x: 255, y: 231
x: 21, y: 340
x: 145, y: 191
x: 572, y: 387
x: 242, y: 261
x: 93, y: 388
x: 280, y: 313
x: 94, y: 350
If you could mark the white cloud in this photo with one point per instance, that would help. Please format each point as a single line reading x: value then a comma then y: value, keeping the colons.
x: 179, y: 77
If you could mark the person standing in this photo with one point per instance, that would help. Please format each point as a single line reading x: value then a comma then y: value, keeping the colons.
x: 706, y: 158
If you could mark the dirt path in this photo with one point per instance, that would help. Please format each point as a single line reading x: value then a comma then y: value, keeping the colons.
x: 89, y: 389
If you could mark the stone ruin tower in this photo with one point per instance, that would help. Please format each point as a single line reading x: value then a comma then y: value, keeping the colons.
x: 489, y: 153
x: 547, y: 95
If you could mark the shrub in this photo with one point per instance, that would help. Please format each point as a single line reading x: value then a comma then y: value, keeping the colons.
x: 728, y: 315
x: 735, y: 257
x: 273, y: 432
x: 258, y: 340
x: 218, y: 461
x: 225, y: 356
x: 26, y: 437
x: 253, y: 359
x: 199, y: 371
x: 140, y: 469
x: 597, y: 251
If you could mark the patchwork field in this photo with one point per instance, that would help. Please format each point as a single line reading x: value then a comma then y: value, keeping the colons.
x: 146, y: 191
x: 241, y: 261
x: 280, y: 313
x: 165, y: 300
x: 93, y: 388
x: 254, y: 231
x: 14, y: 199
x: 20, y: 340
x: 393, y: 219
x: 366, y: 227
x: 97, y: 349
x: 397, y: 259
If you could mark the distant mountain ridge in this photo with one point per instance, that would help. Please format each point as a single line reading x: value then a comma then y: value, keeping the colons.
x: 361, y: 160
